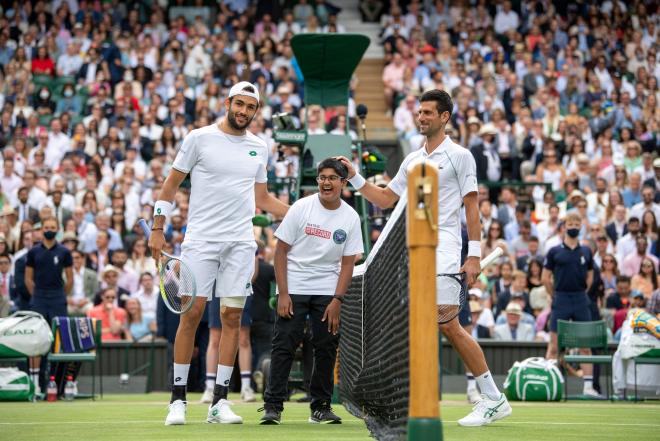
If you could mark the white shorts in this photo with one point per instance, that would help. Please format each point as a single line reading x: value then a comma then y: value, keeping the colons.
x: 229, y: 265
x: 445, y: 287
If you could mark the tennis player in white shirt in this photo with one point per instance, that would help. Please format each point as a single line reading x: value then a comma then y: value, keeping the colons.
x: 227, y: 167
x: 318, y: 241
x: 457, y: 185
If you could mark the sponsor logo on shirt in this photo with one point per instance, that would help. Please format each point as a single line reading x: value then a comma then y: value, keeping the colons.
x: 253, y: 153
x: 312, y: 230
x: 56, y: 260
x: 339, y: 236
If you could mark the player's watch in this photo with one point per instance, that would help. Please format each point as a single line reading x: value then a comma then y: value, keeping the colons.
x: 339, y: 297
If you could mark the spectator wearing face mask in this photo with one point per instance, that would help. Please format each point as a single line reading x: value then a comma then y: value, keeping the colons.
x: 69, y: 102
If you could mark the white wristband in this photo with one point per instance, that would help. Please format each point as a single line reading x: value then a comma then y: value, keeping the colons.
x: 357, y: 181
x: 474, y: 248
x: 163, y: 208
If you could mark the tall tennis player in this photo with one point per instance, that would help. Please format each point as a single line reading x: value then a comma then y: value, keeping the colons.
x: 457, y: 186
x: 227, y: 167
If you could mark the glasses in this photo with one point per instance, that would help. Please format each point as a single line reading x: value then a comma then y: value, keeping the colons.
x: 332, y: 178
x: 608, y: 261
x: 110, y: 297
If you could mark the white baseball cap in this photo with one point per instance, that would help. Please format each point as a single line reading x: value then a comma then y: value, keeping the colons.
x: 238, y: 89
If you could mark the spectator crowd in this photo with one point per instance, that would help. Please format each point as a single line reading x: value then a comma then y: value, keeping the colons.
x: 560, y: 100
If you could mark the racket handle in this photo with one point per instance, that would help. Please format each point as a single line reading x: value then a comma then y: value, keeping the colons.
x: 145, y: 227
x: 492, y: 257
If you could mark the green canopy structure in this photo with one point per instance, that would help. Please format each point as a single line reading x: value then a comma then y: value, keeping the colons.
x: 327, y: 62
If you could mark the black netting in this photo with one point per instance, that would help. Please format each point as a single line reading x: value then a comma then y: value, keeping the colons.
x: 374, y: 337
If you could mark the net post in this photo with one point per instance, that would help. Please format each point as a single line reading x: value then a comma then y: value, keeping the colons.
x: 423, y: 413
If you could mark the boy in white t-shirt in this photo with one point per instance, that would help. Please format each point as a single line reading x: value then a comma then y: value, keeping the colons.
x: 318, y: 241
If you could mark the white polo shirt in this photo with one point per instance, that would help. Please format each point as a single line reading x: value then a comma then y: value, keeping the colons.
x: 319, y: 238
x: 223, y: 170
x: 457, y: 178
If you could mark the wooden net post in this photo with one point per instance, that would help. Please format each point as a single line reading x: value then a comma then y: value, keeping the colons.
x: 424, y: 413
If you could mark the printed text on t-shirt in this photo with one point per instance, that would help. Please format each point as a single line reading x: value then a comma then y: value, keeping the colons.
x: 314, y: 230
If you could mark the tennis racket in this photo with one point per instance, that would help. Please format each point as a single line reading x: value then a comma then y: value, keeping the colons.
x: 175, y: 280
x: 456, y: 286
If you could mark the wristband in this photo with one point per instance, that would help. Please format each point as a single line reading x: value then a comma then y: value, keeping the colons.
x: 163, y: 208
x: 339, y: 297
x: 474, y: 248
x: 357, y: 181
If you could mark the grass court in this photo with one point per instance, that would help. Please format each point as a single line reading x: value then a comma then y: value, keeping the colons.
x: 140, y: 418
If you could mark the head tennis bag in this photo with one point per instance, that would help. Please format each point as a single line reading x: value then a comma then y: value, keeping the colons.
x: 15, y: 385
x: 534, y: 379
x: 24, y: 334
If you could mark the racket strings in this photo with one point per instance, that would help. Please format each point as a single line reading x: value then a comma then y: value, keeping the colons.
x: 177, y: 284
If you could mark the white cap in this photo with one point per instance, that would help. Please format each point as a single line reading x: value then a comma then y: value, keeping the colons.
x: 237, y: 89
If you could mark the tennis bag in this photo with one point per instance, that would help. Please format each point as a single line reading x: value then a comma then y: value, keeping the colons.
x: 534, y: 379
x: 24, y: 334
x: 15, y: 385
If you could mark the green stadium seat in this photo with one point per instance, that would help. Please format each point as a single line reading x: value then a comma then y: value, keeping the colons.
x: 92, y: 357
x: 592, y: 335
x: 324, y: 146
x: 44, y: 120
x: 650, y: 357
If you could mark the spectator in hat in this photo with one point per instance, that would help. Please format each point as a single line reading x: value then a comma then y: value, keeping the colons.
x: 514, y: 329
x: 485, y: 154
x: 110, y: 278
x: 482, y: 315
x: 638, y: 300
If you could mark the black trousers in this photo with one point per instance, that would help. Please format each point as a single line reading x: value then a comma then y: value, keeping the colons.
x: 287, y: 338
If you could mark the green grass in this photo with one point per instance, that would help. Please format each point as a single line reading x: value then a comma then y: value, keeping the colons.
x: 140, y: 417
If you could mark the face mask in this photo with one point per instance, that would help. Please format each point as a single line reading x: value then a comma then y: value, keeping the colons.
x: 68, y: 93
x: 573, y: 232
x: 50, y: 235
x: 44, y: 95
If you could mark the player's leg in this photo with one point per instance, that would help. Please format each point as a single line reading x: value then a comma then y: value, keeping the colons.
x: 493, y: 404
x: 201, y: 258
x: 286, y: 339
x: 582, y: 313
x: 213, y: 348
x: 233, y: 286
x: 465, y: 320
x: 325, y: 353
x: 245, y: 354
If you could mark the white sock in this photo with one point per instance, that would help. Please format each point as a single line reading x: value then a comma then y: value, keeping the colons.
x: 588, y: 382
x: 210, y: 380
x: 487, y: 385
x: 471, y: 382
x: 181, y: 374
x: 34, y: 376
x: 245, y: 380
x: 224, y: 375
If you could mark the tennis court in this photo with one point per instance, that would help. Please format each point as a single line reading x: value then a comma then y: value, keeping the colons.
x: 140, y: 417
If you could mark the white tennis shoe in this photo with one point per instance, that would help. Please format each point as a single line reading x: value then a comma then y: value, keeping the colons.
x: 222, y: 413
x: 247, y: 395
x: 177, y: 413
x: 207, y: 396
x: 486, y: 411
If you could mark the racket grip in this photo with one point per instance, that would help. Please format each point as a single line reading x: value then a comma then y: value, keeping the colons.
x: 492, y: 257
x: 145, y: 227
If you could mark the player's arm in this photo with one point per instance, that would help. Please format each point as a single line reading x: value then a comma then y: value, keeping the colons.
x: 546, y: 279
x: 166, y: 198
x: 29, y: 279
x: 332, y: 312
x: 267, y: 202
x: 284, y: 304
x: 68, y: 286
x: 472, y: 267
x: 382, y: 197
